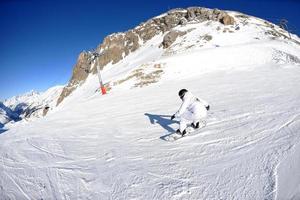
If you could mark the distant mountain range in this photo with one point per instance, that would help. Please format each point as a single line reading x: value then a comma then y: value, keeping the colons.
x: 29, y: 105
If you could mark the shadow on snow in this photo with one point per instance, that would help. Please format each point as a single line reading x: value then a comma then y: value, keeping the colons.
x: 3, y: 130
x: 164, y: 121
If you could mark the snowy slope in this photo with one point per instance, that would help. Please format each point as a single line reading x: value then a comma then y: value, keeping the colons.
x: 107, y: 148
x: 110, y: 147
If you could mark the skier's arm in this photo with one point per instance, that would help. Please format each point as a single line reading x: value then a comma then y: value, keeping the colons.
x: 204, y: 103
x: 182, y: 108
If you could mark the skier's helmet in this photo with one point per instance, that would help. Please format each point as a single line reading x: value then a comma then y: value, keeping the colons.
x: 182, y: 92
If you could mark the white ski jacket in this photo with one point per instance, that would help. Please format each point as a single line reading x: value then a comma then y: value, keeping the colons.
x: 192, y: 107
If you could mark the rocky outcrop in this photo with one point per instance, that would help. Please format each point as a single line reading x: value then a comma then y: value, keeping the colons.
x: 80, y: 73
x: 117, y: 46
x: 45, y: 110
x: 170, y: 37
x: 227, y: 20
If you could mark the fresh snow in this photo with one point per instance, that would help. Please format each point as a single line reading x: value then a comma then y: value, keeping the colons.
x: 110, y: 147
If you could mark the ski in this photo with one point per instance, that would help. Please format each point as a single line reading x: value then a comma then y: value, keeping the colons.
x: 176, y: 136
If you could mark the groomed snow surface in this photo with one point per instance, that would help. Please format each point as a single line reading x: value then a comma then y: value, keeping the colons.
x: 109, y: 147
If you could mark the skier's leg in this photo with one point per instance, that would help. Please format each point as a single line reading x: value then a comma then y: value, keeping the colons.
x: 200, y: 114
x: 183, y: 124
x: 185, y: 119
x: 195, y: 124
x: 200, y: 123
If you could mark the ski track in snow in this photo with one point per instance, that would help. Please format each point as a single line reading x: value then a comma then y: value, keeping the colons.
x: 105, y: 149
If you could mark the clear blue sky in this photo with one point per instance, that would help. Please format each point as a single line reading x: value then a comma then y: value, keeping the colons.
x: 40, y: 40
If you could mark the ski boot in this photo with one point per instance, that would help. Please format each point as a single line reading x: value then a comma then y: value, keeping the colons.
x: 198, y: 125
x: 183, y: 132
x: 195, y: 126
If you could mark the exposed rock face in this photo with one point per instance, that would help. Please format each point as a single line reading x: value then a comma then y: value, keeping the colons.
x: 227, y: 20
x: 170, y: 37
x: 45, y: 110
x: 117, y: 46
x: 80, y: 73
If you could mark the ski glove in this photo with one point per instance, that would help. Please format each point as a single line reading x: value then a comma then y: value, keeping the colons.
x: 173, y: 116
x: 207, y: 108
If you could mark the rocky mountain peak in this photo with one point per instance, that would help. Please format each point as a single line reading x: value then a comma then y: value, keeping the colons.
x: 117, y: 46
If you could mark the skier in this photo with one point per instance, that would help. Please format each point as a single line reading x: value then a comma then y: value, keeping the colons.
x: 192, y: 110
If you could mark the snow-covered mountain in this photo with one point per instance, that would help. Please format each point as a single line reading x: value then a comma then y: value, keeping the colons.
x: 29, y: 105
x: 181, y: 31
x: 110, y: 147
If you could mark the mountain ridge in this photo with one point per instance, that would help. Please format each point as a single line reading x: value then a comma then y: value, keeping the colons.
x: 117, y: 46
